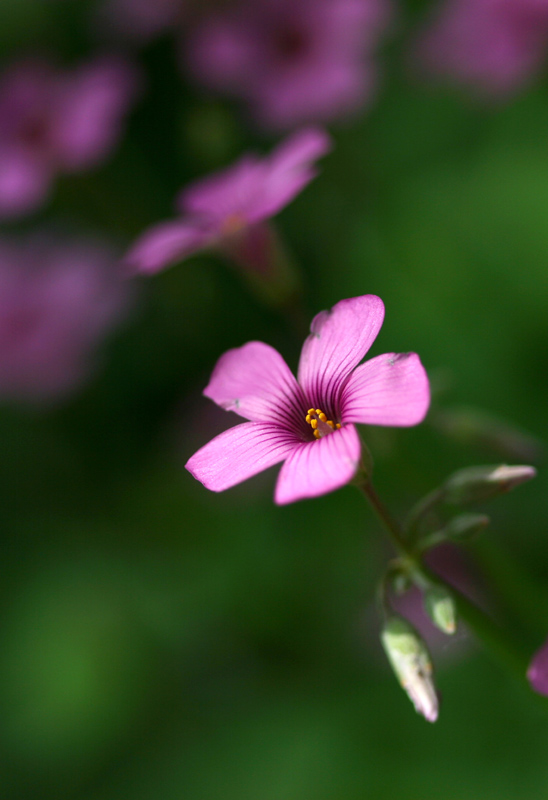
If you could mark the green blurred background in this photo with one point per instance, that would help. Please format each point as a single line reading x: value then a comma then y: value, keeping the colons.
x: 160, y: 641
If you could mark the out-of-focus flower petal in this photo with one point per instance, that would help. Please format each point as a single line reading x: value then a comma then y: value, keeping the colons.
x: 239, y: 453
x: 219, y: 51
x: 339, y: 340
x: 226, y: 193
x: 91, y: 105
x: 166, y: 244
x: 391, y: 389
x: 256, y: 383
x: 289, y: 169
x: 25, y: 181
x: 57, y: 299
x: 254, y: 189
x: 318, y: 467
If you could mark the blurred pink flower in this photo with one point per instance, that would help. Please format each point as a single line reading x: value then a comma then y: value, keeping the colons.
x: 493, y: 46
x: 309, y: 424
x: 56, y: 300
x: 537, y: 674
x: 291, y: 61
x: 141, y: 19
x: 227, y: 207
x: 55, y: 121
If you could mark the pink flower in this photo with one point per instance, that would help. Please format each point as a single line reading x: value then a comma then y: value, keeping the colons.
x: 537, y: 674
x: 57, y: 299
x: 53, y: 122
x: 310, y: 424
x: 494, y: 46
x: 291, y: 61
x: 225, y: 209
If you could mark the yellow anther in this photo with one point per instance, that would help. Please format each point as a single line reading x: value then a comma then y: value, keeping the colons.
x: 311, y: 411
x: 307, y: 418
x: 338, y: 425
x: 330, y: 423
x: 318, y: 411
x: 322, y: 416
x: 317, y: 434
x: 314, y: 423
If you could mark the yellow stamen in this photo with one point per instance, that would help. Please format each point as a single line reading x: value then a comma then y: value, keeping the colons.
x: 315, y: 417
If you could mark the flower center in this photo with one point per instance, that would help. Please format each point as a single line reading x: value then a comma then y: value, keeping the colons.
x: 291, y: 41
x: 233, y: 224
x: 321, y: 426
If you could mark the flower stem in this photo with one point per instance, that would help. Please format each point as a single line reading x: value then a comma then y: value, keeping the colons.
x: 495, y: 639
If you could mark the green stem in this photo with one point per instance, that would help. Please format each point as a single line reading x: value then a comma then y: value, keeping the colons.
x: 497, y: 640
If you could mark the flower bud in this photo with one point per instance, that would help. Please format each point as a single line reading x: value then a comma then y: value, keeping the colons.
x: 477, y: 484
x: 537, y: 674
x: 465, y: 526
x: 440, y: 607
x: 411, y: 663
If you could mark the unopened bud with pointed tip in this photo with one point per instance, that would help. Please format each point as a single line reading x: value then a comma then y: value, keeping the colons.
x: 440, y: 607
x: 477, y: 484
x: 411, y: 663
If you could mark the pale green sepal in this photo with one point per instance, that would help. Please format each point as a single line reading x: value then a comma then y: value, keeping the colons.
x: 440, y: 607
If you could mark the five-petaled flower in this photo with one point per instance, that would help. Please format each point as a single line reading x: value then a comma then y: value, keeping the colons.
x: 56, y: 121
x: 492, y: 46
x: 310, y: 423
x: 223, y: 210
x: 292, y: 62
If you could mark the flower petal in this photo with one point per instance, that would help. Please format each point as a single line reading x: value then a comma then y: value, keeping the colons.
x: 315, y: 468
x: 391, y: 389
x: 256, y: 383
x: 301, y: 149
x: 239, y: 453
x: 289, y: 169
x: 339, y: 340
x: 91, y: 103
x: 166, y: 244
x: 25, y: 180
x: 225, y: 194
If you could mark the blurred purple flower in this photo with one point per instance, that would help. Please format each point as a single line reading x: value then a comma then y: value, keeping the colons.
x: 226, y: 209
x: 55, y: 121
x: 493, y: 46
x: 537, y: 674
x: 141, y: 19
x: 291, y: 61
x: 56, y: 300
x: 310, y: 424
